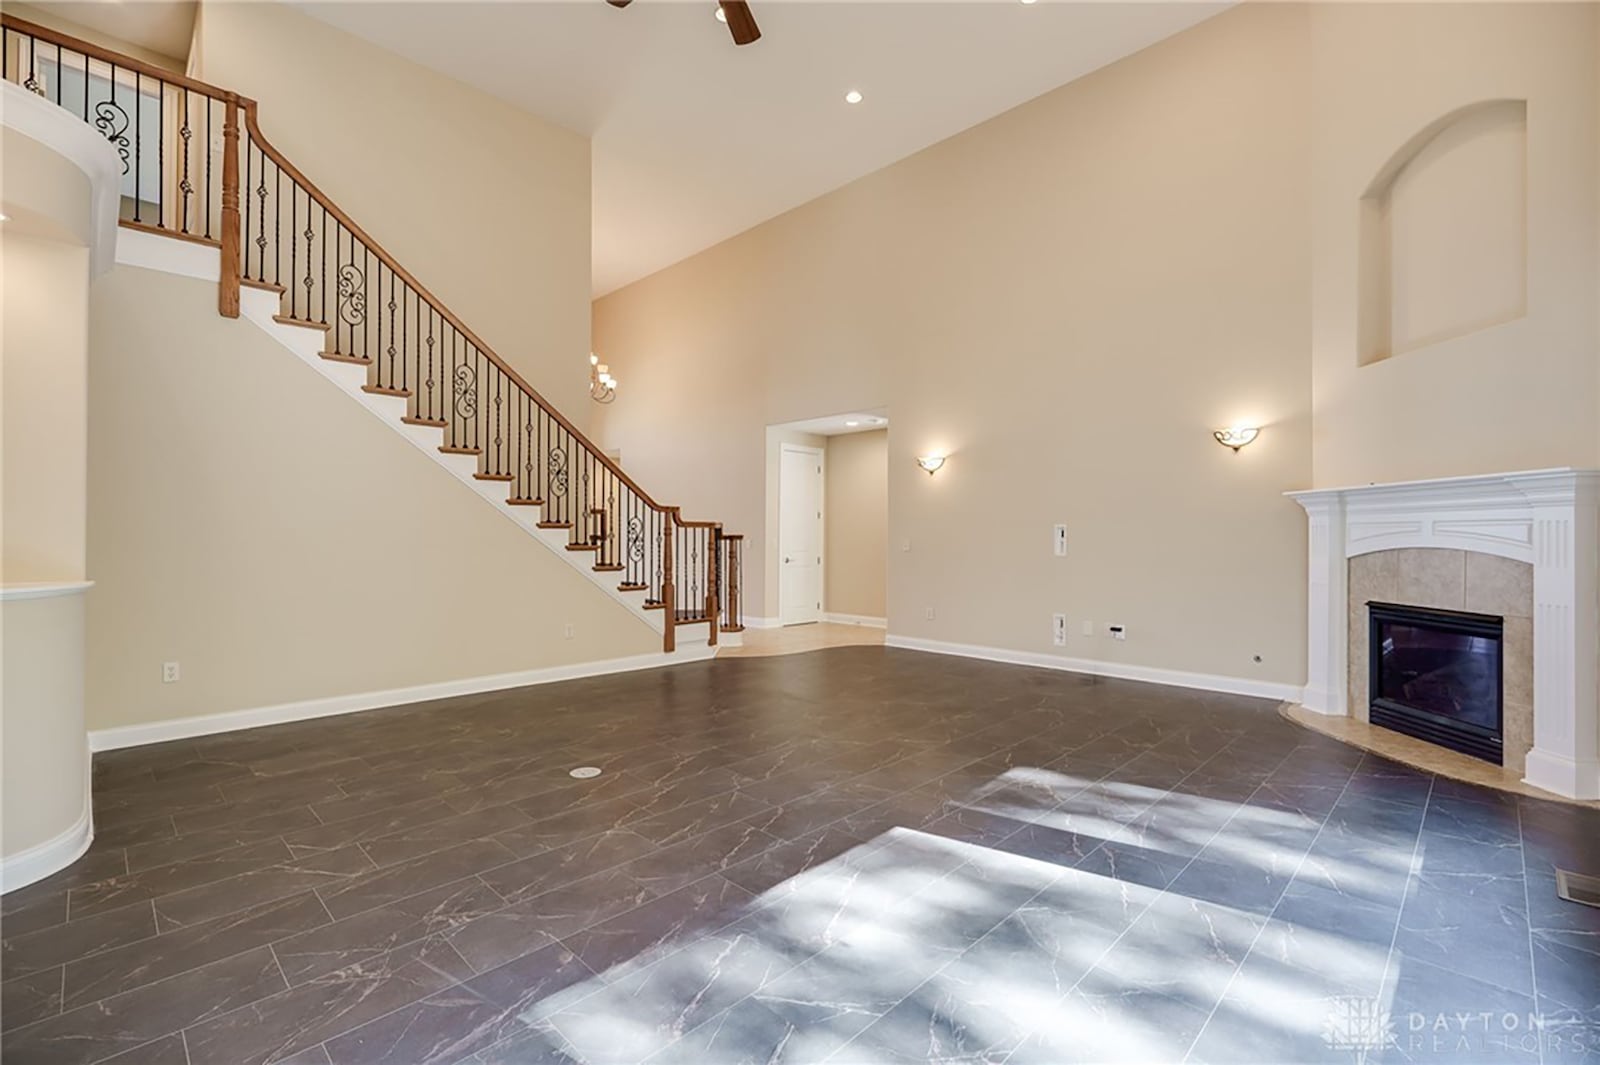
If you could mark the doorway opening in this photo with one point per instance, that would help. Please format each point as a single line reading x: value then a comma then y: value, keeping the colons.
x: 827, y: 509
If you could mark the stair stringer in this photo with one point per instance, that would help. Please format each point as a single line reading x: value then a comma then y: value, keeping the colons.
x: 153, y: 252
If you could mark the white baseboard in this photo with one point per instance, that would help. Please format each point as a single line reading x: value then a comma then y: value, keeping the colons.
x: 1260, y: 689
x: 857, y: 619
x: 762, y: 623
x: 112, y: 739
x: 54, y: 854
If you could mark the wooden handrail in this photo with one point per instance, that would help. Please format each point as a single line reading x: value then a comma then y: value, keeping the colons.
x: 422, y: 291
x: 93, y: 51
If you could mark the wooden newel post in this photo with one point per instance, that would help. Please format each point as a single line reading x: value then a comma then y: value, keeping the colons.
x: 228, y: 291
x: 669, y: 592
x: 713, y: 599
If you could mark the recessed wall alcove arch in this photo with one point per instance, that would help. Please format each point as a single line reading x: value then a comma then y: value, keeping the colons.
x: 1444, y: 232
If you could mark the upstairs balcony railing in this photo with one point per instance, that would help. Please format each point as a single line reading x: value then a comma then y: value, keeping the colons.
x: 196, y: 166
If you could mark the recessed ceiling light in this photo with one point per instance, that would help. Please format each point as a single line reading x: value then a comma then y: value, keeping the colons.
x: 1029, y: 1
x: 852, y: 97
x: 852, y: 424
x: 722, y: 16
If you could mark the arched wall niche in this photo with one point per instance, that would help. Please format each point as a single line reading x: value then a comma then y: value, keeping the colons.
x: 1444, y: 232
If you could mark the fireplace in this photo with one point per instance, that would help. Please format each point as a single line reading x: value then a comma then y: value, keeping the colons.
x: 1437, y: 675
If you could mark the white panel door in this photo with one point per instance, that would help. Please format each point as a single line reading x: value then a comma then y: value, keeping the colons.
x: 800, y: 535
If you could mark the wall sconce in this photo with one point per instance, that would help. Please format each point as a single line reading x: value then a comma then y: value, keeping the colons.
x: 602, y: 386
x: 931, y: 463
x: 1237, y: 436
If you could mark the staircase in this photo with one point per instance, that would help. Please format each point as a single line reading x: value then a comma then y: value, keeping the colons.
x: 299, y: 267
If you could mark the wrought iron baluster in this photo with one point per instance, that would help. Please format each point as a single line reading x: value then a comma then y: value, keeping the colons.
x: 310, y: 234
x: 210, y: 111
x: 185, y: 186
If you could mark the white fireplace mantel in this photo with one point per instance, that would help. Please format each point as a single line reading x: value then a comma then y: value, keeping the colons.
x: 1550, y: 518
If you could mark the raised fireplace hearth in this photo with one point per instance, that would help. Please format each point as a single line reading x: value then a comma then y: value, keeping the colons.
x: 1437, y: 675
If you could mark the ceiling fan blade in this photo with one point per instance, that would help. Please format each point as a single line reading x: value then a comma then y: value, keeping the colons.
x: 741, y: 23
x: 619, y: 3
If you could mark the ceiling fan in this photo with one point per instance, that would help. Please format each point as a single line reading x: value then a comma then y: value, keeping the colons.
x: 736, y: 13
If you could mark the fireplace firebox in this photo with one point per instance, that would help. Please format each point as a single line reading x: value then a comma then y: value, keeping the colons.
x: 1436, y: 675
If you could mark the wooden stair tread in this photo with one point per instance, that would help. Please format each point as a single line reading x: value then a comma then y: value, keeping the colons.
x: 733, y: 628
x: 555, y: 525
x: 583, y: 547
x: 437, y: 423
x: 284, y: 319
x: 633, y: 587
x: 609, y: 567
x: 519, y: 502
x: 335, y: 356
x: 494, y: 476
x: 380, y: 390
x: 265, y: 286
x: 452, y: 449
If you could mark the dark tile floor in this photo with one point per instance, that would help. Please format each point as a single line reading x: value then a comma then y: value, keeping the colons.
x: 856, y: 855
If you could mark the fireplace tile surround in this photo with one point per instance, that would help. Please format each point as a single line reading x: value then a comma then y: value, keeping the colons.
x: 1525, y: 546
x: 1449, y: 579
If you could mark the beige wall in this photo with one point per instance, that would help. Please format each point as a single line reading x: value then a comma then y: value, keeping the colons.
x: 1067, y: 298
x: 1511, y: 396
x: 856, y: 524
x: 53, y: 20
x: 485, y: 204
x: 44, y: 287
x: 44, y: 758
x: 249, y: 522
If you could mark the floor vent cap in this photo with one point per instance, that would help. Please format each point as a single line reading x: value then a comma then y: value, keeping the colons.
x: 584, y: 772
x: 1576, y: 887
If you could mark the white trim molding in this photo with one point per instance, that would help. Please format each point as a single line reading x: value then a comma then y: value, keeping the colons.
x: 56, y: 853
x: 71, y: 138
x: 112, y: 739
x: 42, y: 589
x: 1259, y: 689
x: 1549, y: 518
x: 864, y: 620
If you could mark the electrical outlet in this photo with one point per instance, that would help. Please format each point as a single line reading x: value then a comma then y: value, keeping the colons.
x: 169, y: 672
x: 1088, y: 628
x: 568, y: 631
x: 1117, y: 632
x: 928, y: 613
x: 1058, y: 629
x: 1059, y: 541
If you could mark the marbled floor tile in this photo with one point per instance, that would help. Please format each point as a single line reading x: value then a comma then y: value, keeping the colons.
x: 437, y: 835
x: 383, y: 822
x: 551, y: 869
x: 26, y: 999
x: 131, y: 888
x: 1471, y: 935
x: 97, y: 1031
x: 951, y: 860
x: 1438, y: 1014
x: 51, y: 947
x: 532, y: 923
x: 400, y: 881
x: 299, y: 1018
x: 308, y: 955
x: 317, y: 871
x: 148, y: 855
x: 703, y: 905
x: 115, y: 971
x: 461, y: 1020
